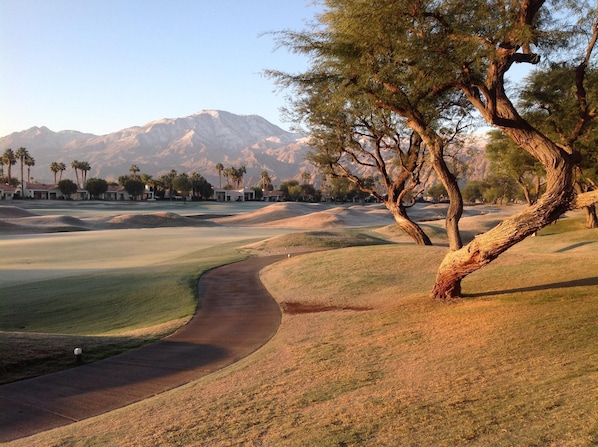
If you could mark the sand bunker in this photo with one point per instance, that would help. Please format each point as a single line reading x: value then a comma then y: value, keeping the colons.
x: 291, y: 215
x: 14, y: 220
x: 307, y: 215
x: 272, y: 213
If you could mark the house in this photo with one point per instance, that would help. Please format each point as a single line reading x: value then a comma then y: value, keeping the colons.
x: 52, y: 192
x: 7, y: 192
x: 41, y: 191
x: 273, y: 196
x: 116, y: 192
x: 234, y: 195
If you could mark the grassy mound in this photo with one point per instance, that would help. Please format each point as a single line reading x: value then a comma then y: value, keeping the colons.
x: 313, y: 240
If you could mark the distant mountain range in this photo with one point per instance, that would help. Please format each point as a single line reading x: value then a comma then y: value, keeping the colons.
x: 194, y: 143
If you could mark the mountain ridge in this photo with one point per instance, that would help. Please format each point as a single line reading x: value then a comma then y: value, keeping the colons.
x: 193, y: 143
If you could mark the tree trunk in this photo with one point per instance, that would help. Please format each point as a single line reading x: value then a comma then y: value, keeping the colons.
x: 455, y: 209
x: 413, y: 230
x: 526, y: 192
x: 436, y: 149
x: 591, y: 218
x: 488, y: 246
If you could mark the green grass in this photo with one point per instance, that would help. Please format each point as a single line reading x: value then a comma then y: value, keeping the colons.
x: 514, y: 363
x: 105, y: 313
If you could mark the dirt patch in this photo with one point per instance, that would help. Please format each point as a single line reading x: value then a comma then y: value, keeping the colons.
x: 303, y: 308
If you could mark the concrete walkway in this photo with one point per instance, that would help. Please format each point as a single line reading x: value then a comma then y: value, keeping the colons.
x: 236, y: 316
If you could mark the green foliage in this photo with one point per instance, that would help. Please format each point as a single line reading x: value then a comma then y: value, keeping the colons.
x: 473, y: 191
x: 200, y: 186
x: 509, y: 160
x: 257, y: 190
x: 552, y: 103
x: 67, y: 187
x: 437, y: 192
x: 499, y: 189
x: 294, y: 192
x: 123, y: 179
x: 134, y: 187
x: 96, y: 186
x: 287, y: 185
x: 182, y: 184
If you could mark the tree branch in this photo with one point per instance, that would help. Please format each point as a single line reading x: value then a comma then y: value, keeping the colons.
x: 584, y: 200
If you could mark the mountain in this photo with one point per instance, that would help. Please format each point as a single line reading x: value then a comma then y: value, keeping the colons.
x: 193, y: 143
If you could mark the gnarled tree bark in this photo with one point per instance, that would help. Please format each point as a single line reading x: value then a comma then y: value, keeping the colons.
x: 486, y: 247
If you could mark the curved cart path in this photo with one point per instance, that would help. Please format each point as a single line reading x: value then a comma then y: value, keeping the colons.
x: 236, y: 316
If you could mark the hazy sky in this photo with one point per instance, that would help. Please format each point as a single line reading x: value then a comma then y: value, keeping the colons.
x: 99, y: 66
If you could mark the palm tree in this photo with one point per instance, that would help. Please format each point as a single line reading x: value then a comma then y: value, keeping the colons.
x: 148, y: 181
x: 54, y: 168
x: 85, y: 168
x: 29, y: 162
x: 166, y: 181
x: 20, y: 155
x: 240, y: 173
x: 227, y: 173
x: 219, y: 168
x: 134, y: 170
x: 266, y: 180
x: 237, y: 175
x: 9, y: 159
x: 61, y: 168
x: 75, y: 166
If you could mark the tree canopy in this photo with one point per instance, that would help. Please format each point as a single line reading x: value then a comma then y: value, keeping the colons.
x: 96, y: 187
x: 67, y: 187
x: 431, y: 63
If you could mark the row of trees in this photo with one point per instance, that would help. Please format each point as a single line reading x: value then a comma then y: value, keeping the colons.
x: 22, y: 155
x: 393, y: 85
x: 195, y: 185
x: 10, y: 158
x: 233, y: 175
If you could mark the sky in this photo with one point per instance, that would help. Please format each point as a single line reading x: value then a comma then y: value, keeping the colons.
x: 99, y: 66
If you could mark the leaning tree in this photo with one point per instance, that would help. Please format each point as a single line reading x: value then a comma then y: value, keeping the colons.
x: 352, y: 140
x: 406, y: 54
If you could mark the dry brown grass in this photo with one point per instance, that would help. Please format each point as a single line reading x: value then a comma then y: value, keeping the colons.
x: 515, y: 364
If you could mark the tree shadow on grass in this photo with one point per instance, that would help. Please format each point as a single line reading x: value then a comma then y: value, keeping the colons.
x: 584, y: 282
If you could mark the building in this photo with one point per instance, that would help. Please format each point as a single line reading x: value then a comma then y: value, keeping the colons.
x: 273, y: 196
x: 234, y: 195
x: 7, y: 192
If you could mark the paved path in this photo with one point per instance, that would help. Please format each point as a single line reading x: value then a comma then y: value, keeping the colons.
x: 236, y: 317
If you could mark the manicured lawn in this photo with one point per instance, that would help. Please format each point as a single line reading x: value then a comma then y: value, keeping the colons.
x: 372, y: 360
x: 105, y: 313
